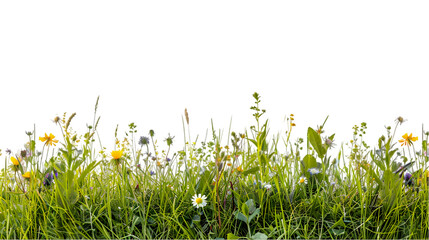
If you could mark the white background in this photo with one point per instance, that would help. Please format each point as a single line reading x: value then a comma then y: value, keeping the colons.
x: 149, y: 60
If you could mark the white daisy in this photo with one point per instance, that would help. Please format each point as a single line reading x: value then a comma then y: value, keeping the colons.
x: 199, y: 201
x: 302, y: 180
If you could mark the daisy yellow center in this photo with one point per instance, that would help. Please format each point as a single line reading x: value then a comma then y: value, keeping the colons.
x: 199, y: 200
x: 301, y: 180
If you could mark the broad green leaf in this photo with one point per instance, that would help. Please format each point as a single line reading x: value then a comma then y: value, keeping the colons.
x: 308, y: 162
x: 231, y: 236
x: 259, y: 236
x: 316, y: 142
x: 240, y: 216
x: 251, y: 206
x: 254, y: 214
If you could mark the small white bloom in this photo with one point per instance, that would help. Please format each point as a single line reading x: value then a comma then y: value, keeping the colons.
x: 267, y: 186
x: 314, y: 171
x: 199, y: 200
x: 302, y: 180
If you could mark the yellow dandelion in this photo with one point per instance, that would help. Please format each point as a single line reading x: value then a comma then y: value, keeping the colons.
x: 116, y: 154
x: 240, y: 169
x: 49, y: 139
x: 15, y: 161
x: 408, y: 139
x: 26, y: 175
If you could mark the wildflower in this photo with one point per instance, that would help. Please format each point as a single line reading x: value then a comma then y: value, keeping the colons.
x: 319, y: 130
x: 408, y: 140
x: 199, y: 200
x: 168, y: 159
x: 267, y: 186
x: 240, y: 169
x: 24, y: 153
x: 8, y: 151
x: 56, y: 120
x: 49, y: 177
x: 14, y: 161
x: 152, y: 173
x: 169, y: 140
x: 302, y: 180
x: 330, y: 143
x: 48, y: 139
x: 407, y: 176
x: 400, y: 120
x: 314, y: 171
x: 407, y: 179
x: 26, y: 175
x: 116, y: 154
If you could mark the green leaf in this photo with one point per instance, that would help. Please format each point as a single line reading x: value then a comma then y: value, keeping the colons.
x: 204, y: 182
x: 254, y: 214
x: 339, y: 223
x: 250, y: 171
x: 259, y: 236
x: 251, y: 205
x: 316, y: 142
x: 337, y: 232
x: 86, y: 171
x: 196, y: 218
x: 308, y: 162
x: 240, y: 216
x: 231, y: 236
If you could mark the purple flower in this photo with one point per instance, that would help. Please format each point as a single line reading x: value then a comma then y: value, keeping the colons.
x: 143, y: 141
x: 49, y: 177
x: 407, y: 176
x: 8, y: 151
x: 152, y: 173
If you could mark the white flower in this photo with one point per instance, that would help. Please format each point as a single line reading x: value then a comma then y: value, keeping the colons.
x: 199, y: 201
x: 302, y: 180
x: 314, y: 171
x: 267, y: 186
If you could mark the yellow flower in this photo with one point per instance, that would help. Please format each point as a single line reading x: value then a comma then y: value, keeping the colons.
x: 240, y: 169
x: 26, y: 175
x: 48, y: 139
x: 408, y: 140
x: 116, y: 154
x: 14, y: 161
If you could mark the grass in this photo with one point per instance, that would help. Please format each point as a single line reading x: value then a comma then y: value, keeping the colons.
x: 74, y: 190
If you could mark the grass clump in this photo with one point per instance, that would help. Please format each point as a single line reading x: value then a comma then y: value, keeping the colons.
x: 244, y: 187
